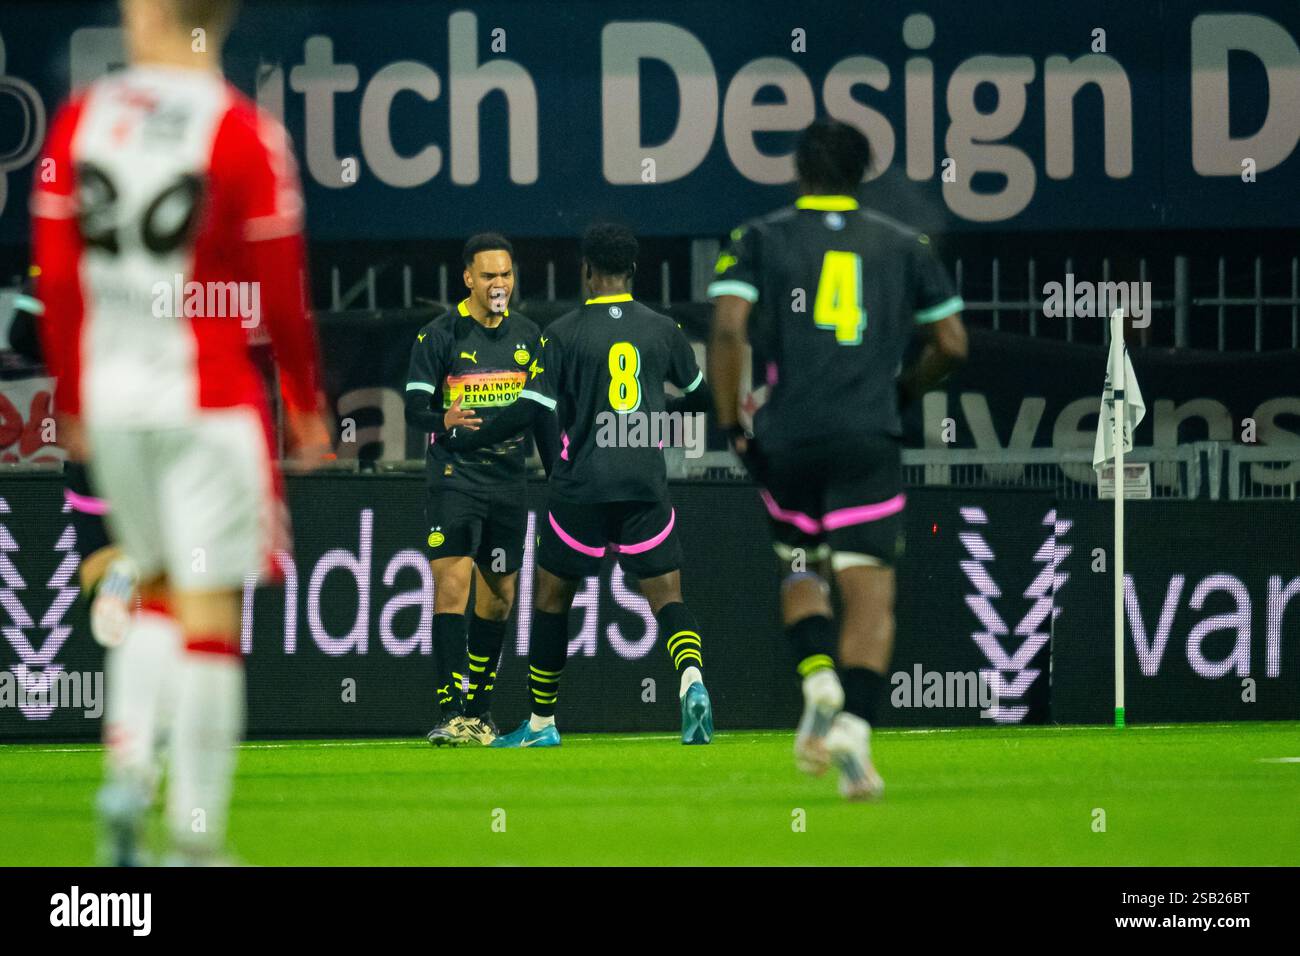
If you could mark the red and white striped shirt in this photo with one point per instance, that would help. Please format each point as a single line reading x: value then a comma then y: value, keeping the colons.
x: 167, y: 225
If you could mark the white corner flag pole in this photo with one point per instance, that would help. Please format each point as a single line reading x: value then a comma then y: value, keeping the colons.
x: 1118, y: 384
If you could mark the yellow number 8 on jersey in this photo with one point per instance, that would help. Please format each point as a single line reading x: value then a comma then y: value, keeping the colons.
x: 838, y: 304
x: 624, y: 387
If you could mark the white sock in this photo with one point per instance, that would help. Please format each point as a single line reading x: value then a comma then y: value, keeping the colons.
x: 141, y: 674
x: 536, y: 722
x: 823, y: 688
x: 209, y: 722
x: 690, y: 676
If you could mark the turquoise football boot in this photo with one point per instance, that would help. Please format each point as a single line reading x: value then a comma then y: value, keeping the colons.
x: 697, y: 715
x: 525, y: 736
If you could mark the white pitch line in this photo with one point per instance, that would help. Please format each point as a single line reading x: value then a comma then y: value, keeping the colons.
x: 1279, y: 760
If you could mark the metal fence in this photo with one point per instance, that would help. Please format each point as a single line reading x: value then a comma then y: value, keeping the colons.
x: 1002, y: 293
x: 1209, y: 469
x: 1190, y: 471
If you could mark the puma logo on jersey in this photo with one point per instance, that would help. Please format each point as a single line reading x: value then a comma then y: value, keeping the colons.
x: 472, y: 356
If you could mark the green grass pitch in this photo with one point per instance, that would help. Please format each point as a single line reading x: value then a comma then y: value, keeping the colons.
x: 1175, y: 795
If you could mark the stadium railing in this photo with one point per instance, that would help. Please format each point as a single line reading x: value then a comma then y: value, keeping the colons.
x: 1212, y: 470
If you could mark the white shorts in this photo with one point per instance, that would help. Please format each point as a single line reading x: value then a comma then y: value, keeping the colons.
x: 194, y: 502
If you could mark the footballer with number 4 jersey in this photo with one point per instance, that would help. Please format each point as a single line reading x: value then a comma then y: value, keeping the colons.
x: 608, y: 496
x: 825, y: 444
x: 467, y: 367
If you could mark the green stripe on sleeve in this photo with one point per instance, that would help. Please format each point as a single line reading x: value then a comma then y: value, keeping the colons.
x: 941, y: 311
x: 733, y: 287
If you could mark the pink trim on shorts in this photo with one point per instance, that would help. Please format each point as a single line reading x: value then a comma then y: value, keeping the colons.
x: 573, y: 542
x: 861, y: 514
x: 805, y: 523
x: 85, y: 503
x: 649, y: 542
x: 564, y: 452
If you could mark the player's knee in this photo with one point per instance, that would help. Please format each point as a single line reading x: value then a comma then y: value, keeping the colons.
x: 451, y: 585
x: 661, y: 590
x: 493, y: 604
x: 804, y: 594
x: 554, y: 593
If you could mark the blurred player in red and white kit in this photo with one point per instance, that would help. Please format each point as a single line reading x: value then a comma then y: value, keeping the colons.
x: 164, y: 178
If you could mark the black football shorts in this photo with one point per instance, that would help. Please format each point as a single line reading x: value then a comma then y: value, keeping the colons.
x: 834, y: 498
x: 489, y: 526
x: 575, y: 538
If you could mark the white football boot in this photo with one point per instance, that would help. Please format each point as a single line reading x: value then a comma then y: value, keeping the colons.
x: 849, y: 746
x: 822, y: 699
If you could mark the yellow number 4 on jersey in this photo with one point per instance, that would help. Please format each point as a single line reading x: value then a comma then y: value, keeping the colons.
x: 838, y: 305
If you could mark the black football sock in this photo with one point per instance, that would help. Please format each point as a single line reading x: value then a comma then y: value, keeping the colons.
x: 485, y: 639
x: 449, y: 659
x: 862, y: 688
x: 547, y: 650
x: 677, y: 624
x: 813, y: 639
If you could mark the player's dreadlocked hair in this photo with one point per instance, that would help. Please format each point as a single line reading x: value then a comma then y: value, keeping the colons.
x: 486, y: 242
x: 610, y: 249
x: 832, y: 157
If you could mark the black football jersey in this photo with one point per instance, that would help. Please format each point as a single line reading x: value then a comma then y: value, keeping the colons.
x: 604, y: 369
x: 837, y: 292
x: 456, y: 356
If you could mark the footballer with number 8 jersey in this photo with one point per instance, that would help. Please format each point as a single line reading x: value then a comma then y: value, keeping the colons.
x: 468, y: 366
x: 606, y: 360
x: 825, y: 445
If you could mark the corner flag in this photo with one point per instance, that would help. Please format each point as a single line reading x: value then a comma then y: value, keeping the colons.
x: 1103, y: 449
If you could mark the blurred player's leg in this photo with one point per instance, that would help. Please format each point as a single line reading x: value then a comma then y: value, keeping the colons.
x: 866, y: 643
x: 547, y: 651
x: 451, y: 581
x: 221, y: 523
x: 141, y: 672
x: 810, y: 629
x: 142, y: 664
x: 681, y: 634
x: 209, y: 722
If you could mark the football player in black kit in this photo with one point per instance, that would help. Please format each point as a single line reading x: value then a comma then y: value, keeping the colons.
x: 467, y: 366
x: 825, y: 446
x: 604, y: 365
